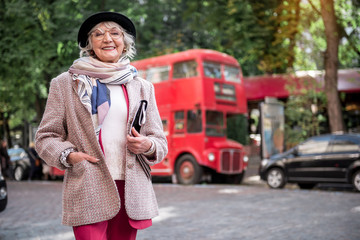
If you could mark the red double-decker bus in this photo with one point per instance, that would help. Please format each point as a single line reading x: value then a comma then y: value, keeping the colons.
x: 201, y: 99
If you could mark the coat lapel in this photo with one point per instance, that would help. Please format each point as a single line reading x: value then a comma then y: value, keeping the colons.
x: 134, y: 91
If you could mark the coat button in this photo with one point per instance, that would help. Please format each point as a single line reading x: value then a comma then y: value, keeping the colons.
x: 130, y: 165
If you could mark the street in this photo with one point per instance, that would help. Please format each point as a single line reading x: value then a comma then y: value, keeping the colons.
x: 204, y: 211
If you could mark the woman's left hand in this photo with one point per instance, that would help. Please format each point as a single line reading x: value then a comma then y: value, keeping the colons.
x: 138, y: 143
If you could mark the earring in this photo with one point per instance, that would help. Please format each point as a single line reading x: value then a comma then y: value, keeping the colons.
x: 124, y: 51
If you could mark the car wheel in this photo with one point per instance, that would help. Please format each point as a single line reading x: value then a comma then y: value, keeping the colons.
x: 187, y: 170
x: 3, y: 195
x: 275, y: 178
x: 3, y: 204
x: 306, y: 185
x: 356, y: 180
x: 19, y: 173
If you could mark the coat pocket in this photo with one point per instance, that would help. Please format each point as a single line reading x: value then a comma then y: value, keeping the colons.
x: 78, y: 169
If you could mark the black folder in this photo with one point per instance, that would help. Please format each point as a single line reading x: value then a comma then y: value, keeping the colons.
x: 138, y: 121
x: 140, y: 116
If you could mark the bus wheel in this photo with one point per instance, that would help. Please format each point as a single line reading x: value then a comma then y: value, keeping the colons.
x: 187, y: 170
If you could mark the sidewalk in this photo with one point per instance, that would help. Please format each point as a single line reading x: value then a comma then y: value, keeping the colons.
x: 252, y: 173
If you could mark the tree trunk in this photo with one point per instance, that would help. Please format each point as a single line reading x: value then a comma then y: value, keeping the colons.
x: 331, y: 66
x: 39, y: 108
x: 6, y: 128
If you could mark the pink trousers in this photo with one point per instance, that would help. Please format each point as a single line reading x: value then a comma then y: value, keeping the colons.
x: 117, y: 228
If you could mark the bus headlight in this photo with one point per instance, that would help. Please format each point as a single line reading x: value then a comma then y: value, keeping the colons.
x: 246, y: 158
x: 211, y: 157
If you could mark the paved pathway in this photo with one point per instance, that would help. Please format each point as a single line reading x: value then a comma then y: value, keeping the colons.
x: 248, y: 211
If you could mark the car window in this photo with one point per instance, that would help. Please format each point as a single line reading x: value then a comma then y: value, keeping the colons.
x: 16, y: 154
x: 345, y: 144
x: 314, y: 145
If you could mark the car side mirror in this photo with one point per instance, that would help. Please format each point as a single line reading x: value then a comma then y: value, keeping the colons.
x: 295, y: 151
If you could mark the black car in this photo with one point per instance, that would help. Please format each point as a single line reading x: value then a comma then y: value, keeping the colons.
x: 330, y: 158
x: 20, y: 163
x: 3, y: 192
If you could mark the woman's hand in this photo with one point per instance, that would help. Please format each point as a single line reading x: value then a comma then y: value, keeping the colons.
x: 76, y: 157
x: 138, y: 143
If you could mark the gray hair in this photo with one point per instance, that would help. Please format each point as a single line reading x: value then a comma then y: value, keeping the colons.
x: 129, y: 42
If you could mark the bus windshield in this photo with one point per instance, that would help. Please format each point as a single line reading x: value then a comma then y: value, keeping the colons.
x: 215, y: 124
x: 212, y: 70
x: 232, y: 74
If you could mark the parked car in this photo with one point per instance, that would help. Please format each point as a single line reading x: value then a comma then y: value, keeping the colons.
x: 3, y: 192
x: 330, y: 158
x: 20, y: 163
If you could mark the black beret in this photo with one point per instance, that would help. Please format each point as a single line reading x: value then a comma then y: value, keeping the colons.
x: 93, y: 20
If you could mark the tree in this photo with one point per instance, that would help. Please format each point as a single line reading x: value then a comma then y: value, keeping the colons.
x: 331, y: 65
x: 38, y: 41
x: 280, y: 21
x: 329, y: 42
x: 243, y: 29
x: 288, y: 18
x: 305, y: 112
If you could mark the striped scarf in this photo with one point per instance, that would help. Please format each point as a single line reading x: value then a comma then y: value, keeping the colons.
x: 92, y: 76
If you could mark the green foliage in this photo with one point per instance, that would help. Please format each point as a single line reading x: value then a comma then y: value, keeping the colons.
x: 38, y: 38
x: 237, y: 126
x: 226, y: 26
x: 311, y: 43
x: 38, y: 42
x: 305, y: 113
x: 348, y: 13
x: 281, y: 22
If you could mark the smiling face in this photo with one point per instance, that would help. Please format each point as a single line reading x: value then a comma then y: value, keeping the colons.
x: 108, y: 43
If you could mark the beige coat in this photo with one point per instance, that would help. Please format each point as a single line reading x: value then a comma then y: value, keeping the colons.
x: 89, y: 193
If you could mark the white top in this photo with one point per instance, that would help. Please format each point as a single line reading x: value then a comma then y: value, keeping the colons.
x: 113, y: 133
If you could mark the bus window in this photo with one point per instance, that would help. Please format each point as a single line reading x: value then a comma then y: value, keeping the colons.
x: 232, y: 74
x: 215, y: 124
x: 229, y: 90
x: 194, y: 121
x: 165, y: 127
x: 185, y: 69
x: 179, y: 122
x: 224, y: 91
x: 142, y: 74
x: 157, y: 74
x: 212, y: 70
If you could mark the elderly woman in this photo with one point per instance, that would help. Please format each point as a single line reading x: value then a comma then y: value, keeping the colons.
x: 86, y: 130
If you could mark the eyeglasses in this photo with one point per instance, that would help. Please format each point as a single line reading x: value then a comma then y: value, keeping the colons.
x: 115, y: 33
